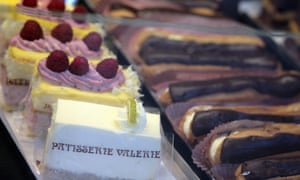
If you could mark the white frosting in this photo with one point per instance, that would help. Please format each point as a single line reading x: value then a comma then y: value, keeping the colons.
x: 105, y: 149
x: 216, y: 144
x: 187, y: 125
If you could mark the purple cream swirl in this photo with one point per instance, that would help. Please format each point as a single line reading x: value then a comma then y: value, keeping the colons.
x: 48, y: 44
x: 92, y: 81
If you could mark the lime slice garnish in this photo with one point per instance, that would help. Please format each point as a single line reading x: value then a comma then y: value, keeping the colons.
x: 132, y: 114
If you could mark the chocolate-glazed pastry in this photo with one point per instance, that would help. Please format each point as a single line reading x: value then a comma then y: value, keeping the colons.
x: 131, y: 8
x: 232, y: 89
x: 141, y: 42
x: 156, y: 50
x: 162, y: 80
x: 200, y: 120
x: 265, y: 168
x: 244, y: 140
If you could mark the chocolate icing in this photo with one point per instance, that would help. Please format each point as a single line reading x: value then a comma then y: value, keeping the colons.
x: 285, y: 86
x: 155, y: 50
x: 238, y: 150
x: 204, y: 121
x: 263, y: 169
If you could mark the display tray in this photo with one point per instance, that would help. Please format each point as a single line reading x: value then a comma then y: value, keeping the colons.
x: 184, y: 154
x: 32, y: 150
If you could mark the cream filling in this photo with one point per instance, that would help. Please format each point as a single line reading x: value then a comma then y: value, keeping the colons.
x: 187, y: 125
x: 214, y: 149
x: 44, y: 94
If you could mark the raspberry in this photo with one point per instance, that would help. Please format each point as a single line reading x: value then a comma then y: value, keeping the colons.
x: 57, y: 61
x: 29, y: 3
x: 56, y: 5
x: 79, y: 66
x: 31, y: 31
x: 93, y: 41
x: 78, y: 13
x: 62, y: 32
x: 107, y: 68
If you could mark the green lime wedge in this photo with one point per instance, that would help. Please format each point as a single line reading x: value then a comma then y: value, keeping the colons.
x: 132, y: 115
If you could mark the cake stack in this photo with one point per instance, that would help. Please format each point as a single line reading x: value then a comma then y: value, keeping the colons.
x: 58, y: 72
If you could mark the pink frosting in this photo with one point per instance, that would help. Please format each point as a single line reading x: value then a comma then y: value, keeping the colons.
x: 92, y: 81
x: 48, y: 44
x: 43, y: 12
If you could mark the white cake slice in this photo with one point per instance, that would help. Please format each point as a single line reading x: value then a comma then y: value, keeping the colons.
x: 90, y: 141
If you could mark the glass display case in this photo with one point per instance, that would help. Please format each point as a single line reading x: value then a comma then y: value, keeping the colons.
x: 224, y: 78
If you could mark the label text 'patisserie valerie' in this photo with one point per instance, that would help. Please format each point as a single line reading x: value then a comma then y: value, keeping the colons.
x: 107, y: 151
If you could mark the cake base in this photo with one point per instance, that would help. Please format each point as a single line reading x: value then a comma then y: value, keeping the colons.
x: 12, y: 94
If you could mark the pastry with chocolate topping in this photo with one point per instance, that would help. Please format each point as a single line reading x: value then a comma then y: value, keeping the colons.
x: 273, y: 168
x: 244, y: 140
x: 199, y: 120
x: 235, y: 89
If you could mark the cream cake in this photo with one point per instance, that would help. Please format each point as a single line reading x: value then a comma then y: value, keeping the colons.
x: 49, y: 14
x: 32, y: 45
x: 97, y: 146
x: 104, y: 83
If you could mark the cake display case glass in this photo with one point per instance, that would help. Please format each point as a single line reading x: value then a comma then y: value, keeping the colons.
x: 226, y: 85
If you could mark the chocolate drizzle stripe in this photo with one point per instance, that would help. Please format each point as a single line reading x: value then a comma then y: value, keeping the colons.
x: 204, y: 121
x: 286, y: 86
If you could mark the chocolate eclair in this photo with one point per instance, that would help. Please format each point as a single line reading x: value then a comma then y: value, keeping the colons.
x: 161, y: 81
x: 182, y: 41
x: 200, y: 120
x: 245, y: 140
x: 285, y: 87
x: 273, y: 168
x: 131, y: 8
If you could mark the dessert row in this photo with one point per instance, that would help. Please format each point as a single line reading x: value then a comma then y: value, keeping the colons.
x: 226, y: 94
x: 57, y: 70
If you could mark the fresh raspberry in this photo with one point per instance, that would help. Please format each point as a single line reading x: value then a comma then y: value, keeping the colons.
x: 31, y: 31
x: 93, y: 41
x: 57, y: 61
x: 29, y: 3
x: 79, y: 14
x: 79, y: 66
x: 62, y: 32
x: 56, y: 5
x: 107, y: 68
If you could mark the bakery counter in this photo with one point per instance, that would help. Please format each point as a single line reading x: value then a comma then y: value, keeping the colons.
x: 217, y: 84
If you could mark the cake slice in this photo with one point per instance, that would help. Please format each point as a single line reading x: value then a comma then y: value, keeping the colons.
x: 51, y: 13
x: 32, y: 45
x: 86, y: 141
x: 54, y: 78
